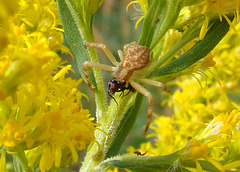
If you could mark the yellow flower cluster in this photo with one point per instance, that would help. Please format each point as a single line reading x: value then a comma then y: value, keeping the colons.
x: 42, y: 121
x: 206, y: 115
x: 210, y: 8
x: 207, y: 8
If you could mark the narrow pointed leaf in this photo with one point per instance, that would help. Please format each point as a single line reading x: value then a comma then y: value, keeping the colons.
x: 171, y: 162
x: 146, y: 163
x: 161, y: 15
x: 77, y: 18
x: 214, y: 35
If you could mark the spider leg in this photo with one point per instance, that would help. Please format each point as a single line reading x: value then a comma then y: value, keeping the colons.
x: 120, y: 54
x: 146, y: 93
x: 152, y: 82
x: 97, y: 65
x: 105, y: 49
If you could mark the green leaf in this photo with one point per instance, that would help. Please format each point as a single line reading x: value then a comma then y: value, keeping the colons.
x: 77, y: 30
x: 160, y: 17
x: 166, y: 20
x: 171, y: 162
x: 93, y: 5
x: 145, y: 163
x: 17, y: 164
x: 20, y: 161
x: 125, y: 127
x: 214, y: 35
x: 77, y: 19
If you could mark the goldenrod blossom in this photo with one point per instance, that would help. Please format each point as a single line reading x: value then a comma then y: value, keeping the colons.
x: 221, y: 127
x: 41, y: 111
x: 142, y: 12
x: 217, y: 134
x: 220, y: 8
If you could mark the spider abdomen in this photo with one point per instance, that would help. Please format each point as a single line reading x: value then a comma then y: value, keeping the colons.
x: 135, y: 57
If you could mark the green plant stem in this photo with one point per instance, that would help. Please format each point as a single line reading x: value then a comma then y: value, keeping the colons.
x: 111, y: 121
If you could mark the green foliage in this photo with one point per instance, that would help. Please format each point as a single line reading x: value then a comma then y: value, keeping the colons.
x: 160, y: 17
x: 216, y: 32
x: 77, y: 19
x: 78, y: 29
x: 125, y: 127
x: 169, y: 162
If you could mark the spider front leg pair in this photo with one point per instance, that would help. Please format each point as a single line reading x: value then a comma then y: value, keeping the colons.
x: 134, y: 57
x: 97, y: 65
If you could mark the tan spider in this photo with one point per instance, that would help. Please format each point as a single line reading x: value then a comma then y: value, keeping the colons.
x: 135, y: 57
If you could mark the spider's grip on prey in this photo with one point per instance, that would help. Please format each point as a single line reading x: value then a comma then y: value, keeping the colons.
x: 134, y: 58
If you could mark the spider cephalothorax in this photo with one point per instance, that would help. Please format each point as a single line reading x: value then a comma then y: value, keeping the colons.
x: 134, y: 58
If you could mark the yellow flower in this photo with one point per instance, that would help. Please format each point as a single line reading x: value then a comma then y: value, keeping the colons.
x: 220, y: 7
x: 220, y: 127
x: 41, y: 110
x: 32, y: 38
x: 49, y: 119
x: 170, y: 38
x: 7, y: 8
x: 208, y: 9
x: 164, y: 129
x: 141, y: 11
x: 66, y: 128
x: 196, y: 149
x: 216, y: 135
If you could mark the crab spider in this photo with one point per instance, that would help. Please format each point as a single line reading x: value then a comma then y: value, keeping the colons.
x: 133, y: 57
